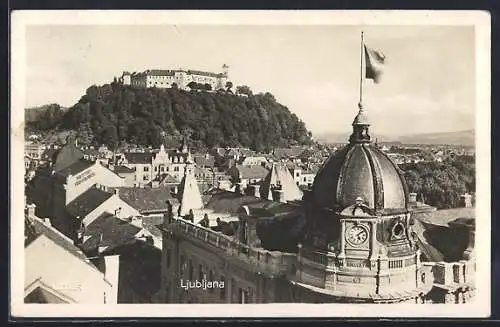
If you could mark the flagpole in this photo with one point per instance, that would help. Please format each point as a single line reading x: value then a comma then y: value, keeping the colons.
x: 361, y: 77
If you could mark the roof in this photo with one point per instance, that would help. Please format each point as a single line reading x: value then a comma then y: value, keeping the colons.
x: 291, y: 152
x: 280, y: 177
x: 202, y: 161
x: 67, y: 155
x: 139, y: 157
x: 444, y: 217
x: 360, y: 170
x: 255, y: 171
x: 189, y: 194
x: 37, y: 227
x: 123, y: 170
x: 146, y: 199
x: 424, y: 243
x: 114, y: 232
x: 230, y: 202
x: 87, y: 202
x: 151, y: 224
x: 75, y: 168
x: 167, y: 179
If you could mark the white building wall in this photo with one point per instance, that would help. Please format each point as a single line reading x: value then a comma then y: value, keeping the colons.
x: 64, y: 272
x: 111, y: 205
x: 77, y: 184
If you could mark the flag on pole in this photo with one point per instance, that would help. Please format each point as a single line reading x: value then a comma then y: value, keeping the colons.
x: 375, y: 60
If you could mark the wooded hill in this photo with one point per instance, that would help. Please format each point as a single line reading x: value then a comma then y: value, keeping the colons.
x: 114, y: 114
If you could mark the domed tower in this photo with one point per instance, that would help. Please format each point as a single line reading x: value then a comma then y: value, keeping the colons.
x: 359, y: 240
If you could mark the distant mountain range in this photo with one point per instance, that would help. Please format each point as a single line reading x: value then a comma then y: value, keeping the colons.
x: 465, y: 138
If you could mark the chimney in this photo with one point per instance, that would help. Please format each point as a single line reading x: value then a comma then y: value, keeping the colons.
x: 256, y: 190
x: 98, y: 186
x: 31, y: 210
x: 46, y: 221
x: 413, y: 197
x: 279, y: 196
x: 112, y: 268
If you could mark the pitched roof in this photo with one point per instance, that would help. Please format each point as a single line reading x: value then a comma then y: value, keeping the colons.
x: 202, y: 161
x: 75, y: 168
x: 146, y: 199
x: 139, y: 157
x: 87, y: 202
x: 189, y: 194
x: 37, y: 227
x: 114, y: 232
x: 167, y: 179
x: 255, y: 171
x: 67, y: 155
x: 280, y: 177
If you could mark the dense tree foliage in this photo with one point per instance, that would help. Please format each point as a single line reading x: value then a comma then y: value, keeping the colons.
x: 44, y: 117
x: 442, y: 184
x: 244, y: 89
x: 114, y: 113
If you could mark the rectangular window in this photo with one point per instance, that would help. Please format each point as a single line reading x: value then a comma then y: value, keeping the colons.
x: 146, y: 168
x: 176, y: 168
x: 156, y: 168
x: 162, y: 169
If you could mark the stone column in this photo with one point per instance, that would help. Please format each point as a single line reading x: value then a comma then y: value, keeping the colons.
x: 341, y: 256
x: 373, y: 245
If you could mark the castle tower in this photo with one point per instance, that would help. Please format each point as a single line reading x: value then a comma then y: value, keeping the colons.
x: 225, y: 70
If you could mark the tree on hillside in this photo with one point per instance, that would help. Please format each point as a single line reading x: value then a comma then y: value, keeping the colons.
x: 139, y: 116
x: 243, y: 89
x: 193, y: 85
x: 229, y: 86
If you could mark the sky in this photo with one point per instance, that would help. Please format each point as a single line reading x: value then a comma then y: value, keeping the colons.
x: 428, y: 83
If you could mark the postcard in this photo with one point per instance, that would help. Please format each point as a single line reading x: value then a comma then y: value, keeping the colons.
x: 250, y: 164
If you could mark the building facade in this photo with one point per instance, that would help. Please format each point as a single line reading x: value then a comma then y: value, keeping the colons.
x: 156, y: 165
x: 167, y: 78
x: 352, y: 239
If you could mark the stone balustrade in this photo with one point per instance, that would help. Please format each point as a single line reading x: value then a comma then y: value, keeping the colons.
x: 272, y: 262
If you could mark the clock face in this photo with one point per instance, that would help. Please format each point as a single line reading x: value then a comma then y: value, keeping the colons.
x: 357, y: 235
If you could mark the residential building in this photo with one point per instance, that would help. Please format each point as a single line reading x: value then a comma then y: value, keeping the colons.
x: 151, y: 165
x: 57, y: 271
x: 246, y: 175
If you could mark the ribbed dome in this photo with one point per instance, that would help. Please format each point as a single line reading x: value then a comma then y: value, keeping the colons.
x: 360, y: 170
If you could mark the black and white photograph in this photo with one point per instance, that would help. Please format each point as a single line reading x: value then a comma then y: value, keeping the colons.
x: 290, y: 163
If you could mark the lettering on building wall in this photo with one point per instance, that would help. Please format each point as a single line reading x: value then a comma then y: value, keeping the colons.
x: 84, y: 177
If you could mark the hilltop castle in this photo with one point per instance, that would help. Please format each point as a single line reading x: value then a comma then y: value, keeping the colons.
x: 167, y: 78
